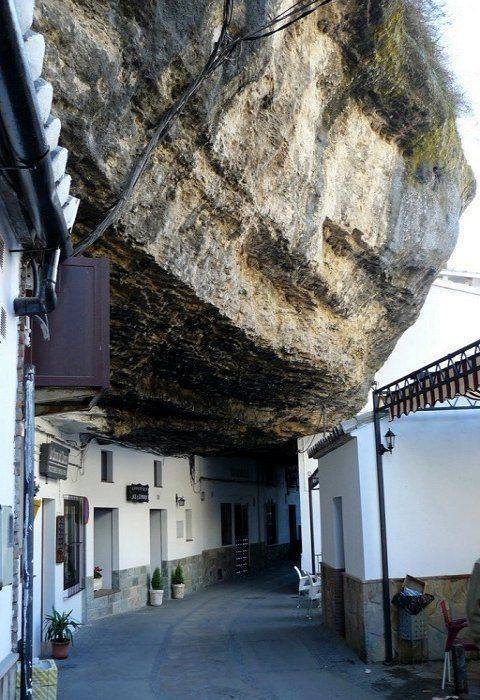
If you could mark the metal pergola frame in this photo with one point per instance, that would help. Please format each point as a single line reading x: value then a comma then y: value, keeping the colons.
x: 446, y: 380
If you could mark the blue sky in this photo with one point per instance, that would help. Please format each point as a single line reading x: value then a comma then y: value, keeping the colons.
x: 461, y: 32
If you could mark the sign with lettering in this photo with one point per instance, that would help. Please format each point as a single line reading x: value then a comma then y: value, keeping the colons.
x: 138, y: 493
x: 54, y: 460
x: 60, y: 540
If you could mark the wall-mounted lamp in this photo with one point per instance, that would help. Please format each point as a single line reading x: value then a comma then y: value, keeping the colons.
x: 390, y: 442
x: 179, y: 500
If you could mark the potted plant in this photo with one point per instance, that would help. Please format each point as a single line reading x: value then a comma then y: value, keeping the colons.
x: 58, y: 632
x: 97, y: 578
x: 156, y: 588
x: 178, y: 583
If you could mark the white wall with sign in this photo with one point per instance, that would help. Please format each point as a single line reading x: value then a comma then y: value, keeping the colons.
x: 9, y: 281
x: 199, y: 516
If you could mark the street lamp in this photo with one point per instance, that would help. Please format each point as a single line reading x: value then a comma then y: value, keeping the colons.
x: 390, y: 442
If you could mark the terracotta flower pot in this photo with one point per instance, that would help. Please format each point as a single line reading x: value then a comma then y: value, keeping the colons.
x: 178, y: 590
x: 60, y: 650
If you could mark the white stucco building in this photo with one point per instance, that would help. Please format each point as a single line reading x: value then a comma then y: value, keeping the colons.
x: 30, y: 134
x: 9, y: 336
x: 199, y: 511
x: 432, y: 489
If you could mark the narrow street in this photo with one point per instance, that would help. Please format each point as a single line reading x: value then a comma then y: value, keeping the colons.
x: 243, y: 639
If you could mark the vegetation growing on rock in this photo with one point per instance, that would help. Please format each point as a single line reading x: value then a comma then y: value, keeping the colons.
x: 287, y: 232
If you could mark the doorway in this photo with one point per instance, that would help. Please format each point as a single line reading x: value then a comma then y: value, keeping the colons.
x: 295, y: 549
x: 105, y: 543
x: 157, y: 538
x: 48, y: 565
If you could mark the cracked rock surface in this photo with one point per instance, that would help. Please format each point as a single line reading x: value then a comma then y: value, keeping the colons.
x: 285, y: 234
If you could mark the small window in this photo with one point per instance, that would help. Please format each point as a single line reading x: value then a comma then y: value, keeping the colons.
x: 74, y: 561
x: 271, y: 522
x: 179, y: 529
x: 158, y: 473
x: 226, y: 523
x: 188, y: 525
x: 107, y: 466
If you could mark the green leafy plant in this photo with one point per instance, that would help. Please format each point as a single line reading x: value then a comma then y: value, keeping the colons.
x: 178, y: 576
x: 59, y: 627
x: 157, y: 580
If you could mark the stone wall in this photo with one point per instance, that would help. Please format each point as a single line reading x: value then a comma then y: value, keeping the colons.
x: 130, y: 586
x: 214, y: 565
x: 333, y: 598
x: 364, y: 616
x: 201, y: 570
x: 452, y: 589
x: 129, y: 592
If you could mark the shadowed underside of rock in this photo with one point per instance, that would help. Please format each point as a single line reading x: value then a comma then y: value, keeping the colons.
x: 284, y: 235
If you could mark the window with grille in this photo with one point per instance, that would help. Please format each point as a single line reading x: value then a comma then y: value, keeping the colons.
x: 74, y: 560
x: 158, y: 473
x: 271, y: 522
x: 226, y: 523
x: 107, y: 466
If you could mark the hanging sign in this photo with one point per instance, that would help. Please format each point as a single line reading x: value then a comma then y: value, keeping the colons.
x: 54, y: 460
x: 138, y: 493
x: 60, y: 540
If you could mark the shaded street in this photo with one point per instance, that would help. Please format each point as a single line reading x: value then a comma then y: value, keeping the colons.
x: 242, y: 639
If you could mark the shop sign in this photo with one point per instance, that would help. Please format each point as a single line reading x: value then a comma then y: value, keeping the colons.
x: 138, y: 493
x: 54, y: 460
x: 60, y: 540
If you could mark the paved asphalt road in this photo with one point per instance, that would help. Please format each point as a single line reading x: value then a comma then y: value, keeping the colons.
x: 242, y: 639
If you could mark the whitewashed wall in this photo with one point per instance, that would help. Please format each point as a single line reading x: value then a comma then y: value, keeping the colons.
x: 9, y: 286
x: 449, y: 319
x: 306, y: 467
x: 432, y: 491
x: 427, y: 452
x: 339, y: 476
x: 132, y: 466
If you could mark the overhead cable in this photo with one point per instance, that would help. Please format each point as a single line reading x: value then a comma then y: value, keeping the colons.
x: 222, y: 50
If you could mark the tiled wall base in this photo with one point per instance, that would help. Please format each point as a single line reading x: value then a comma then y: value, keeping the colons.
x: 201, y: 570
x: 214, y: 565
x: 364, y: 616
x: 130, y: 592
x: 333, y: 599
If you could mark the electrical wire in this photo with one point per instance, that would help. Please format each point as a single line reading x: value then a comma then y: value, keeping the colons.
x: 221, y: 52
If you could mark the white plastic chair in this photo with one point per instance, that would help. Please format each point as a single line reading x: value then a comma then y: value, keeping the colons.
x: 314, y: 593
x: 303, y: 583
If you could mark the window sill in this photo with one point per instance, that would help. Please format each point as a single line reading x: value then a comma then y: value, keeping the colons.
x: 67, y: 594
x: 106, y: 482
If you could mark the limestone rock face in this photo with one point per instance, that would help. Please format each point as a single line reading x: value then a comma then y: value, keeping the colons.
x: 285, y: 234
